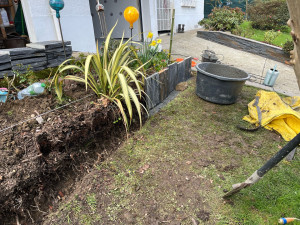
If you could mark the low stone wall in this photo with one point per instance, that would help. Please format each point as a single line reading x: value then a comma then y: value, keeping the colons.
x: 38, y: 56
x: 158, y: 86
x: 244, y: 44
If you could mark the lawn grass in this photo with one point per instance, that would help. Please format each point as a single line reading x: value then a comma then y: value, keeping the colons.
x: 258, y: 35
x: 174, y: 171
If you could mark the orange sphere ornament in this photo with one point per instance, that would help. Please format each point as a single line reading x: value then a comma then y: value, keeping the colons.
x: 131, y: 14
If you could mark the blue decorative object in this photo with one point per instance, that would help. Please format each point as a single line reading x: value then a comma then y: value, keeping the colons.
x: 57, y: 5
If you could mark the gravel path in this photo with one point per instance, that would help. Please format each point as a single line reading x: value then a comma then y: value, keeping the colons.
x: 188, y: 44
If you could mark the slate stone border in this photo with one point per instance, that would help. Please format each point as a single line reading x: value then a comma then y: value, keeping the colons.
x: 38, y: 56
x: 159, y: 85
x: 245, y: 44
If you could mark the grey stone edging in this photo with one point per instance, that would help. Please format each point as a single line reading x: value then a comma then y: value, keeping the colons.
x: 245, y: 44
x: 159, y: 85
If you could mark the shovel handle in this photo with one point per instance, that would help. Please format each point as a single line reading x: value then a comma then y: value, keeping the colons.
x: 290, y: 146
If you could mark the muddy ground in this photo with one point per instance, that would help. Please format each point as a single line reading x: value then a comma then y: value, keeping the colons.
x: 40, y: 160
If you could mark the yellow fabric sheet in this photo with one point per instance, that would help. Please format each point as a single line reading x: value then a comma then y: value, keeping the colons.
x: 281, y: 115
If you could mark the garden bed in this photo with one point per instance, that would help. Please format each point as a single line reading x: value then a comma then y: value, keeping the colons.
x: 38, y: 160
x: 245, y: 44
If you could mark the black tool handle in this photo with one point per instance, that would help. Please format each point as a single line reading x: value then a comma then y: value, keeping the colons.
x: 279, y: 156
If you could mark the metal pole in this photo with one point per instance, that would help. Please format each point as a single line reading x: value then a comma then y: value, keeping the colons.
x: 62, y: 38
x: 172, y: 29
x: 131, y: 36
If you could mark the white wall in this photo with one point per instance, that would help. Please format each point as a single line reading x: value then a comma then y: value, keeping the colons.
x: 183, y: 15
x: 188, y: 16
x: 76, y: 23
x: 149, y: 17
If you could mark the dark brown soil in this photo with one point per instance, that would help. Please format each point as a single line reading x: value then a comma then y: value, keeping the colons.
x: 39, y: 162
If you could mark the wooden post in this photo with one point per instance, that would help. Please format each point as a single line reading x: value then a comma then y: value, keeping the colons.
x: 2, y: 28
x: 172, y: 31
x: 294, y: 23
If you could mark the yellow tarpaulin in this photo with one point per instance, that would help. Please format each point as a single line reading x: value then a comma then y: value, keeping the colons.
x: 274, y: 113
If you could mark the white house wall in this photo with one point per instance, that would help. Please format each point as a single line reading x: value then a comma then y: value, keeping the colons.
x: 189, y: 16
x: 76, y: 23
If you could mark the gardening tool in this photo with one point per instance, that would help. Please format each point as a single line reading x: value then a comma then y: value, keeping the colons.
x: 258, y: 174
x: 287, y: 220
x: 58, y: 5
x: 101, y: 15
x: 271, y: 77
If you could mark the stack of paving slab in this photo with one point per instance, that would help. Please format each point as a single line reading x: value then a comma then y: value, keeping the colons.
x: 23, y: 58
x: 54, y: 51
x: 5, y: 65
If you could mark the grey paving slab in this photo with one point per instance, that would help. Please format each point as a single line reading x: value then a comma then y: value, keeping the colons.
x: 48, y: 44
x: 163, y: 84
x: 6, y: 73
x: 5, y: 66
x: 172, y: 77
x: 32, y: 66
x: 60, y: 49
x: 20, y: 51
x: 180, y: 72
x: 187, y: 71
x: 29, y: 61
x: 17, y: 57
x: 4, y: 58
x: 152, y: 90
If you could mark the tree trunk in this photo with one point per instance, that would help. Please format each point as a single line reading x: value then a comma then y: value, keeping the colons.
x: 294, y: 23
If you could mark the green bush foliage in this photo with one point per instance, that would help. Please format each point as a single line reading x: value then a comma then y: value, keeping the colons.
x: 271, y: 35
x: 268, y: 15
x: 223, y: 19
x: 288, y: 46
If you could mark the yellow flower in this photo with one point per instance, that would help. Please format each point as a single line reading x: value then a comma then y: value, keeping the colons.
x: 150, y: 35
x: 158, y: 41
x: 153, y: 43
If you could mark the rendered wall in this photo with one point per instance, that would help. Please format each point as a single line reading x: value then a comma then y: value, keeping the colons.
x: 76, y: 23
x: 188, y: 15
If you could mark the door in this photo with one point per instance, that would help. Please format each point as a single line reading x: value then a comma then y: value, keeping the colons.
x: 113, y: 11
x: 164, y: 15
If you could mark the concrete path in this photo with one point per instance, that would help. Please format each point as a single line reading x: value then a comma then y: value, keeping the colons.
x: 188, y: 44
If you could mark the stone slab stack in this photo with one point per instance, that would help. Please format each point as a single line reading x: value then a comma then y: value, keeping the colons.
x: 23, y: 59
x: 54, y: 51
x: 5, y: 65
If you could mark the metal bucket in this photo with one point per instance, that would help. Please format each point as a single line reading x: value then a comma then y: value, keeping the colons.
x: 219, y: 83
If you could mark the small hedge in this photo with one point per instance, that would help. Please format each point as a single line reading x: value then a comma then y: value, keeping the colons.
x: 268, y: 15
x: 223, y: 19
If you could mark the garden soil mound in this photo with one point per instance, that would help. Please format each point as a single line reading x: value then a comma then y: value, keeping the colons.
x: 35, y: 156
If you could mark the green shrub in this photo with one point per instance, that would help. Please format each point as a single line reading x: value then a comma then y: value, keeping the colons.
x: 270, y: 36
x: 268, y: 15
x: 288, y: 46
x: 224, y: 19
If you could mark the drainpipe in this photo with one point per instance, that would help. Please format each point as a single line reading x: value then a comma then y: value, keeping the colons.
x: 141, y: 21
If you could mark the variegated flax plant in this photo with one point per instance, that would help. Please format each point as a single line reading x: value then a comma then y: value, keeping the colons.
x: 109, y: 77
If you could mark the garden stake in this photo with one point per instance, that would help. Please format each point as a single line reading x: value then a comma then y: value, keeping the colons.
x: 172, y: 29
x: 287, y: 220
x: 58, y: 5
x: 258, y: 174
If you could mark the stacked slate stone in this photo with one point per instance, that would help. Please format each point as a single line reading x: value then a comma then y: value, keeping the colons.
x: 5, y: 65
x: 54, y: 51
x: 23, y: 59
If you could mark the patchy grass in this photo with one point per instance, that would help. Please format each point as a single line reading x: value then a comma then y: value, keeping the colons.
x: 258, y: 35
x: 176, y: 168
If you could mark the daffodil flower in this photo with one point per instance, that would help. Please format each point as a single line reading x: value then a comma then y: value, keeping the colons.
x: 153, y: 43
x: 158, y: 41
x: 150, y: 35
